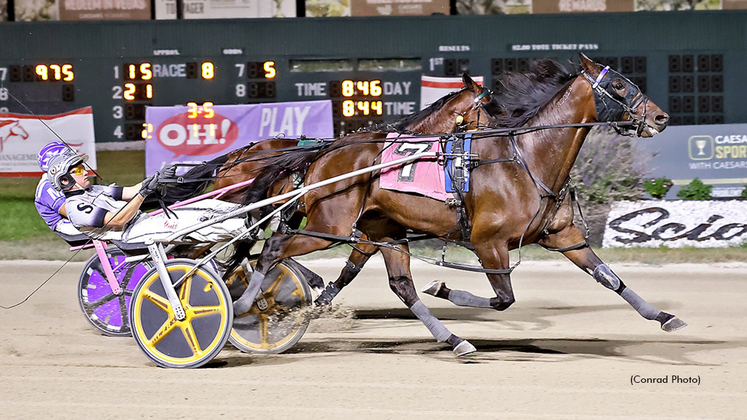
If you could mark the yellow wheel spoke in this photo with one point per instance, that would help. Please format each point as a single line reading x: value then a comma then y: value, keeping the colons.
x: 298, y: 292
x: 186, y: 288
x: 263, y: 324
x: 200, y: 311
x: 162, y: 332
x: 273, y: 289
x: 158, y: 300
x: 191, y: 337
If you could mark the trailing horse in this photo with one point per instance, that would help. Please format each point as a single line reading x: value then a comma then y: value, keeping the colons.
x: 467, y: 109
x: 518, y: 192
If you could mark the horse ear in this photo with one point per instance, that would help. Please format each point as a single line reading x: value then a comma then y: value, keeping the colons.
x: 470, y: 84
x: 587, y: 63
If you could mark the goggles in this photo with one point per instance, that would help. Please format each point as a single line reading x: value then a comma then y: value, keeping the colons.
x: 78, y: 170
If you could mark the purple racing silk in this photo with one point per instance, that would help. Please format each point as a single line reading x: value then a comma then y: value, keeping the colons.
x: 48, y: 202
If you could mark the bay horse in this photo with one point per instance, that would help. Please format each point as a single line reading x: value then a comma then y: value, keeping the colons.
x: 517, y: 194
x: 467, y: 109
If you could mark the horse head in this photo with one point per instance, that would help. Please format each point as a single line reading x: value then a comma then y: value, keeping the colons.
x: 470, y: 108
x: 482, y: 108
x: 616, y: 98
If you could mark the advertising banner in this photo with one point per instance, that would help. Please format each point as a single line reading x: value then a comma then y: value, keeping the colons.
x: 734, y: 4
x: 35, y: 10
x: 433, y: 88
x: 233, y: 9
x: 398, y: 7
x: 42, y: 10
x: 3, y: 10
x: 200, y: 133
x: 493, y: 7
x: 676, y: 224
x: 104, y: 10
x: 580, y: 6
x: 715, y: 154
x: 327, y: 8
x: 165, y: 9
x: 22, y: 136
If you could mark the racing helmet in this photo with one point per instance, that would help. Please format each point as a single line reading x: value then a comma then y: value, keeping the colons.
x: 59, y: 168
x: 49, y: 151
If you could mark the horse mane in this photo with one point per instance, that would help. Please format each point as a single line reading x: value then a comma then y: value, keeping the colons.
x: 278, y: 166
x: 403, y: 123
x: 196, y: 182
x: 523, y: 94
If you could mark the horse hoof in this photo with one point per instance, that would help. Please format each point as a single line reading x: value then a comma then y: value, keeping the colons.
x: 433, y: 287
x: 673, y: 324
x: 464, y: 348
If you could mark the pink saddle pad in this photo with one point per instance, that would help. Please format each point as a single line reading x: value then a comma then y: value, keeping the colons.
x: 424, y: 176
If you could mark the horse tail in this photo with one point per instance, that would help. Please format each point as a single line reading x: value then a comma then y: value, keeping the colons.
x: 277, y: 167
x: 196, y: 181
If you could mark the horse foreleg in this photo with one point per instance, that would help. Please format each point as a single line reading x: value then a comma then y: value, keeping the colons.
x: 588, y: 261
x: 275, y: 250
x: 356, y: 260
x: 400, y: 281
x: 492, y: 258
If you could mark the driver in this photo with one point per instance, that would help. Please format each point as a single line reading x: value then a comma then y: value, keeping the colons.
x: 113, y: 212
x: 50, y: 203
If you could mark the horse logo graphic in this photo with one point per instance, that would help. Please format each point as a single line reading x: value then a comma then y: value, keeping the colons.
x: 11, y: 128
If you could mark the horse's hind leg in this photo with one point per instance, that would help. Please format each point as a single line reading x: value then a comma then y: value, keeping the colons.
x: 275, y: 249
x: 588, y: 261
x: 400, y: 281
x: 492, y: 258
x: 361, y: 253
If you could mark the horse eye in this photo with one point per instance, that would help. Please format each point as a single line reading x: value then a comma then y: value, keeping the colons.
x: 618, y: 85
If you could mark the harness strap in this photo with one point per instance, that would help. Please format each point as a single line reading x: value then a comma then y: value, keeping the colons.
x: 600, y: 77
x: 352, y: 239
x: 474, y: 269
x: 475, y: 163
x: 582, y: 244
x: 520, y: 160
x: 559, y: 198
x: 366, y: 254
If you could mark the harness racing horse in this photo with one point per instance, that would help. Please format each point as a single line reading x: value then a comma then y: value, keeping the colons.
x: 516, y: 197
x: 467, y: 109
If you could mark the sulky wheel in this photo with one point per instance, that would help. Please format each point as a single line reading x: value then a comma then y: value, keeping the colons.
x: 277, y: 323
x: 198, y: 338
x: 103, y: 309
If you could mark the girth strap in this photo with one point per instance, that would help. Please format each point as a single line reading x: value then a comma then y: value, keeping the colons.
x: 582, y: 244
x: 475, y: 269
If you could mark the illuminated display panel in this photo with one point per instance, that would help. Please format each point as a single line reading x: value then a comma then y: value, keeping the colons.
x: 372, y: 77
x: 47, y: 86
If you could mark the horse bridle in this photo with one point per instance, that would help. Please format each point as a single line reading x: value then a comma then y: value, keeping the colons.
x: 611, y: 109
x: 477, y: 101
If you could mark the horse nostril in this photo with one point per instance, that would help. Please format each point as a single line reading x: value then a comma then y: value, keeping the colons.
x: 662, y: 119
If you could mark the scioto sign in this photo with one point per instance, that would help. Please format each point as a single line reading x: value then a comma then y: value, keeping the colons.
x: 676, y: 224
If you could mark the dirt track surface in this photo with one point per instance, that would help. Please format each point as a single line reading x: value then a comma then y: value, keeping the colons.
x: 568, y: 349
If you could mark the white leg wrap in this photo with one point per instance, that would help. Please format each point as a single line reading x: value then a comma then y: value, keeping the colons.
x: 644, y: 308
x: 246, y: 300
x: 464, y: 298
x: 604, y: 276
x: 435, y: 326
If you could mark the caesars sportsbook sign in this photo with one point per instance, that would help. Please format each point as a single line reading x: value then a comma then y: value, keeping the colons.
x: 715, y: 154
